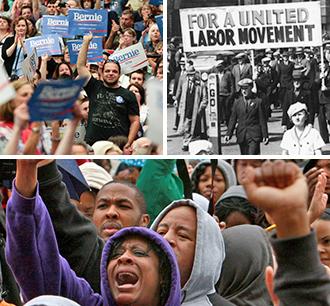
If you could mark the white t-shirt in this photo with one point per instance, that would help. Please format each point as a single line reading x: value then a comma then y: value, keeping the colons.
x: 307, y: 143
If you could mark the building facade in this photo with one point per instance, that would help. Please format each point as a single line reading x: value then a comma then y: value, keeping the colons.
x: 175, y: 5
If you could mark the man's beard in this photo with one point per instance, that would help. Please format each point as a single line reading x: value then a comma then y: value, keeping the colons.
x: 111, y: 84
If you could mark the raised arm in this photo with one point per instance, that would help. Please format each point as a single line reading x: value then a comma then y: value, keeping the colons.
x: 82, y: 58
x: 32, y: 250
x: 76, y: 235
x: 280, y: 189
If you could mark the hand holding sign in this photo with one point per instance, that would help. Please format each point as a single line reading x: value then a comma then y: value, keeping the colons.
x: 88, y: 37
x: 54, y: 100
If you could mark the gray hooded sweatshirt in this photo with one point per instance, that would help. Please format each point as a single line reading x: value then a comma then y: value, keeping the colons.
x: 209, y: 256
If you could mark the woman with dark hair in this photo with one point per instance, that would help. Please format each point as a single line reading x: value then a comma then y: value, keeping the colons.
x: 139, y: 93
x: 63, y: 71
x: 13, y: 51
x: 32, y: 30
x: 201, y: 179
x: 322, y: 229
x: 138, y: 266
x: 87, y: 4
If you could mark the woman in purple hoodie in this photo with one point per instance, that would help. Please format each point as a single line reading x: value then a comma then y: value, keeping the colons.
x: 138, y: 266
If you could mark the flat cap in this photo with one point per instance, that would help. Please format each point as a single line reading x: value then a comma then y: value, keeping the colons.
x: 245, y: 83
x: 240, y: 55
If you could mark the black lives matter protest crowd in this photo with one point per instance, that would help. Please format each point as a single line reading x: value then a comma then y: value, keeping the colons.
x: 165, y: 232
x: 124, y: 129
x: 291, y: 80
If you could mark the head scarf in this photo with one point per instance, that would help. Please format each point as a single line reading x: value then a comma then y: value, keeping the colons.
x: 248, y: 253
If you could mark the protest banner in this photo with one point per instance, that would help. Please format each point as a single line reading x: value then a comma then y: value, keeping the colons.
x: 94, y: 54
x: 30, y: 65
x: 45, y: 44
x: 251, y: 27
x: 56, y: 25
x: 131, y: 58
x: 7, y: 91
x: 159, y: 21
x: 82, y: 22
x: 53, y: 100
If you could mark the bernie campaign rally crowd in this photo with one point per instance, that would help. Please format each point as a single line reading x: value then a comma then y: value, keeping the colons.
x: 165, y: 232
x: 44, y: 41
x: 249, y: 87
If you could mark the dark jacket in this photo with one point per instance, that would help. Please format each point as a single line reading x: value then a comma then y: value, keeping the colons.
x: 76, y: 235
x: 8, y: 288
x: 285, y: 75
x: 251, y: 121
x: 300, y: 278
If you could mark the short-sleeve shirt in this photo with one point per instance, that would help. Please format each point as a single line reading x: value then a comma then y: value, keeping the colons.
x: 109, y: 110
x: 307, y: 144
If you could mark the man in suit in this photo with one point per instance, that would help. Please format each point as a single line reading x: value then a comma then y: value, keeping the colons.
x: 241, y: 70
x: 178, y: 79
x: 249, y: 114
x: 192, y: 97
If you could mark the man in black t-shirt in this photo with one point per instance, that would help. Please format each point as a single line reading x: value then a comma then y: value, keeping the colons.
x: 113, y: 110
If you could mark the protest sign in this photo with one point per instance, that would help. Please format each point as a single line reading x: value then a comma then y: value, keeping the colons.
x: 45, y: 44
x: 55, y: 25
x: 94, y: 53
x: 7, y: 91
x: 30, y: 65
x: 131, y: 58
x: 251, y: 27
x: 53, y: 100
x: 82, y: 22
x: 159, y: 21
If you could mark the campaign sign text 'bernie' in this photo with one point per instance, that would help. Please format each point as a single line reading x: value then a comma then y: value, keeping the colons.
x: 82, y: 22
x: 53, y: 100
x: 94, y: 54
x: 131, y: 58
x: 251, y: 27
x: 55, y: 25
x: 45, y: 44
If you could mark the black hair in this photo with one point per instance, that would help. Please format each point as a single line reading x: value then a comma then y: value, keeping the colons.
x: 139, y: 71
x: 138, y: 194
x: 235, y: 204
x: 112, y: 61
x: 198, y: 172
x: 164, y: 264
x: 141, y: 91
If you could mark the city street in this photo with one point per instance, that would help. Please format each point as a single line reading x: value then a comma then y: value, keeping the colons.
x: 174, y: 141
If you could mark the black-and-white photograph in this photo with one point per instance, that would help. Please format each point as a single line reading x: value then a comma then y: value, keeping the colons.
x: 248, y: 77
